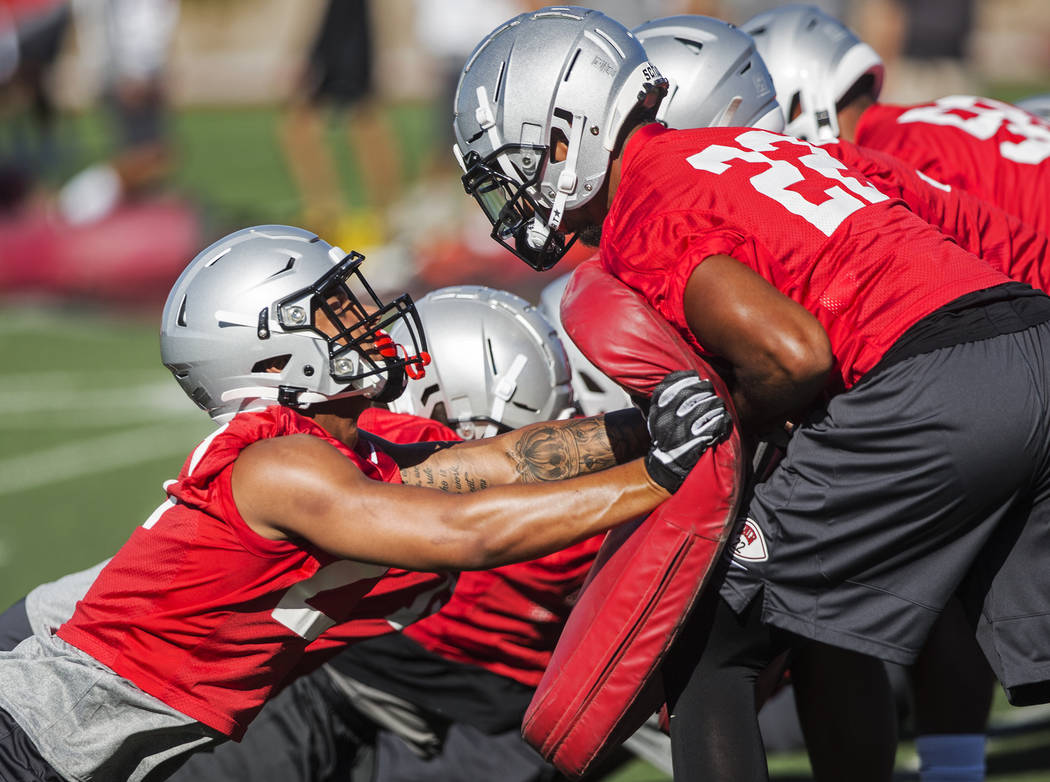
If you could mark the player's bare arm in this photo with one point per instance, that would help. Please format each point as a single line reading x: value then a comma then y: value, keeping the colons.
x: 302, y: 487
x: 779, y: 353
x: 550, y: 451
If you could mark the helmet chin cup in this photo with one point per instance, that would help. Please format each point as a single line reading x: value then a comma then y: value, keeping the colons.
x: 394, y: 385
x: 536, y: 234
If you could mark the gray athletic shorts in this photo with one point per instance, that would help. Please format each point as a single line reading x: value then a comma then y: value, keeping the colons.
x: 931, y: 476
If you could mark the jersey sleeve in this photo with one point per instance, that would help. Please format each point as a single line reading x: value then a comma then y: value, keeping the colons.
x: 662, y: 277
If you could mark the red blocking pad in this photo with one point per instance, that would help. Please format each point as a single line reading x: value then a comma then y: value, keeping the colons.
x: 602, y: 682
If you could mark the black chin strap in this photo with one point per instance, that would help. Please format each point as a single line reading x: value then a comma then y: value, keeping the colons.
x: 396, y: 380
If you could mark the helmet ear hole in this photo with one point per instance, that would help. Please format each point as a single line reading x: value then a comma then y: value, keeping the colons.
x: 559, y: 148
x: 273, y: 364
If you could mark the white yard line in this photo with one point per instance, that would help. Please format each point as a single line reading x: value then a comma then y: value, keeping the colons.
x: 129, y: 396
x: 96, y: 455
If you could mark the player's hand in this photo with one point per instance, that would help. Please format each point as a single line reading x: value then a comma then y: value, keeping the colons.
x: 686, y: 417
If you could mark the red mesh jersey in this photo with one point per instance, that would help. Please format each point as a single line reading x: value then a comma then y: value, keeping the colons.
x: 1001, y: 239
x: 861, y: 262
x: 506, y: 620
x: 203, y: 613
x: 994, y: 150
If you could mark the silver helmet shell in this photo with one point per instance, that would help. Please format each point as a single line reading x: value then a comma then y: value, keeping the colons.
x: 497, y: 363
x: 1036, y: 104
x: 814, y: 60
x: 715, y: 76
x: 595, y: 392
x: 273, y: 314
x: 565, y: 74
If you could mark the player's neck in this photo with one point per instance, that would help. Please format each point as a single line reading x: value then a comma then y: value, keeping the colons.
x: 849, y: 116
x: 339, y: 417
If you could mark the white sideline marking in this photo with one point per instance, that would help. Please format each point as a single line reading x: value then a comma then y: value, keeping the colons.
x: 95, y: 455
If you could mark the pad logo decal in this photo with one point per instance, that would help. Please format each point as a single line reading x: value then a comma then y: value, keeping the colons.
x: 751, y: 545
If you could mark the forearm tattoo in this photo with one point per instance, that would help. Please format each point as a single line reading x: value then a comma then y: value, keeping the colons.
x: 553, y: 453
x: 452, y: 477
x: 548, y: 452
x: 571, y: 448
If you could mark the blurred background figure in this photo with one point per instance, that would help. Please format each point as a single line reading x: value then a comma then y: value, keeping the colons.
x: 104, y: 235
x: 31, y: 36
x: 128, y: 43
x: 337, y: 82
x: 925, y: 45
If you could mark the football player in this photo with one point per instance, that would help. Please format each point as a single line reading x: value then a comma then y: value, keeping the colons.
x: 442, y: 699
x: 828, y: 83
x: 963, y: 145
x: 289, y: 533
x: 696, y: 51
x: 832, y: 307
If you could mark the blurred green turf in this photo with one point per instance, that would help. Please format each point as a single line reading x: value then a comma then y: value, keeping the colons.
x: 72, y: 381
x: 229, y: 160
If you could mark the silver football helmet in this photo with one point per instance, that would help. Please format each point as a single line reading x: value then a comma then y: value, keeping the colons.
x: 497, y: 363
x: 715, y: 76
x: 814, y: 60
x: 1036, y: 104
x: 595, y: 391
x: 562, y: 74
x: 274, y: 315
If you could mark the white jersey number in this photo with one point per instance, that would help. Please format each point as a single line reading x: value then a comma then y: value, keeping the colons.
x: 780, y: 175
x: 308, y: 622
x: 982, y: 118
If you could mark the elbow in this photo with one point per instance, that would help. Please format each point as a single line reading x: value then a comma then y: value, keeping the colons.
x: 805, y: 359
x: 473, y: 553
x: 464, y: 546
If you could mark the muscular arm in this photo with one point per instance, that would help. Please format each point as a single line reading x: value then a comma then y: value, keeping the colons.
x: 778, y: 352
x: 302, y: 487
x: 550, y: 451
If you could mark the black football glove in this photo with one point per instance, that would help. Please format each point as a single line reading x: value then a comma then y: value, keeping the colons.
x: 686, y: 417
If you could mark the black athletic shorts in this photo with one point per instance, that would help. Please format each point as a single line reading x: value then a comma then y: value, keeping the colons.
x: 930, y: 476
x: 309, y: 730
x: 14, y: 626
x: 19, y: 759
x: 340, y: 60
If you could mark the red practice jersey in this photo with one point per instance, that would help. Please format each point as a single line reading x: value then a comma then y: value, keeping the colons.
x: 861, y: 262
x: 211, y: 618
x: 403, y: 428
x: 994, y: 150
x: 506, y: 620
x: 980, y: 227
